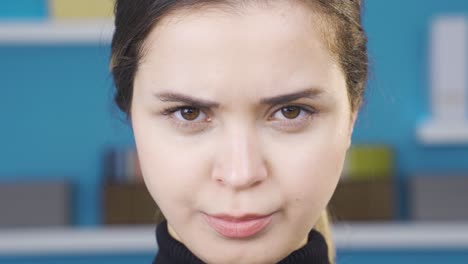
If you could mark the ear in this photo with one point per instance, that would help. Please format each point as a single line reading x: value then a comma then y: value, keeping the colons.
x: 352, y: 122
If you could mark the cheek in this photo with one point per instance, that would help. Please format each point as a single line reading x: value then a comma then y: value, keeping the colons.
x: 309, y: 168
x: 315, y: 169
x: 170, y: 168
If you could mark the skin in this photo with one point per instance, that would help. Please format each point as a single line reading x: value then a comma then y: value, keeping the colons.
x: 243, y: 156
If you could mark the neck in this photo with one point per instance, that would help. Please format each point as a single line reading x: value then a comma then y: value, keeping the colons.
x: 313, y: 249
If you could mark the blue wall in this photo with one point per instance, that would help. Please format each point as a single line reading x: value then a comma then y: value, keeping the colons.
x: 57, y: 113
x: 57, y: 117
x: 23, y: 9
x: 397, y: 99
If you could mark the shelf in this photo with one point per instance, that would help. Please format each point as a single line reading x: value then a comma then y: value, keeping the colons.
x: 407, y: 236
x: 57, y: 32
x: 77, y: 240
x: 433, y: 132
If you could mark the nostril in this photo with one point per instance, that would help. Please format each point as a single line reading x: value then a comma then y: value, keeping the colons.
x: 256, y: 183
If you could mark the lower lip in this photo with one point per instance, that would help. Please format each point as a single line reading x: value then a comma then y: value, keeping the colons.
x: 237, y: 229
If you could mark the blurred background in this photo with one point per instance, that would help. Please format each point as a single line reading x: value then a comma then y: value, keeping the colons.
x: 70, y: 186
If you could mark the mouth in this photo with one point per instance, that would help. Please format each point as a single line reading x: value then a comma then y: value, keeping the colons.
x: 242, y: 226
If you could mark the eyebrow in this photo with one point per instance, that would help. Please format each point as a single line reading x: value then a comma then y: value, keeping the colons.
x: 202, y: 103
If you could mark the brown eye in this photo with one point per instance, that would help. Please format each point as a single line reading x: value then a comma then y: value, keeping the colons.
x: 291, y: 112
x: 189, y: 113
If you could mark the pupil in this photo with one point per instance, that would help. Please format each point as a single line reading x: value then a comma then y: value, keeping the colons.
x: 290, y: 112
x: 190, y: 113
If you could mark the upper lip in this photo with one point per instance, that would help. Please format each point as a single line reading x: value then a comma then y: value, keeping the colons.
x: 240, y: 217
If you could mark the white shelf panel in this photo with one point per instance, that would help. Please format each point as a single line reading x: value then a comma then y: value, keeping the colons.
x: 448, y: 90
x: 77, y: 240
x: 142, y: 239
x: 57, y: 32
x: 408, y: 236
x: 432, y: 133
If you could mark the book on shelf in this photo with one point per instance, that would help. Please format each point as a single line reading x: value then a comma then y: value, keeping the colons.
x: 366, y: 161
x: 82, y: 9
x: 121, y: 165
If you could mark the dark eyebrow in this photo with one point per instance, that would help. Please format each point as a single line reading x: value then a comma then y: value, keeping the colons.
x: 201, y: 103
x: 176, y: 97
x: 285, y: 98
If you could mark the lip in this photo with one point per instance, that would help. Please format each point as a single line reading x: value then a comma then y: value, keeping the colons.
x: 242, y: 226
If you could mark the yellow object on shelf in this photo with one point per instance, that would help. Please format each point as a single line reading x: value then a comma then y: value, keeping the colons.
x: 63, y: 9
x: 369, y: 161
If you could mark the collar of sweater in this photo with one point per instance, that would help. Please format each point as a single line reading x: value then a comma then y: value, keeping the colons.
x: 172, y: 251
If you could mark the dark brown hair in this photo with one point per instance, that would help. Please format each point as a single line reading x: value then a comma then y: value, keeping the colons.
x: 134, y: 20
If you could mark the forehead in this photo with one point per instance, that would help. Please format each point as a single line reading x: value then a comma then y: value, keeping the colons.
x: 260, y: 49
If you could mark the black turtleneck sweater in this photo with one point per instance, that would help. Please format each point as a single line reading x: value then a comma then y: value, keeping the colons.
x: 172, y: 251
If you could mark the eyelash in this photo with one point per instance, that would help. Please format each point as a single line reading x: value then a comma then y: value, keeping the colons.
x: 308, y: 111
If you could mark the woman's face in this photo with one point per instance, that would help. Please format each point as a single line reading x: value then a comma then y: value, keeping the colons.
x: 241, y: 122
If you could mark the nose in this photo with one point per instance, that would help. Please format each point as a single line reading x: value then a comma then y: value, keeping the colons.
x: 240, y: 163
